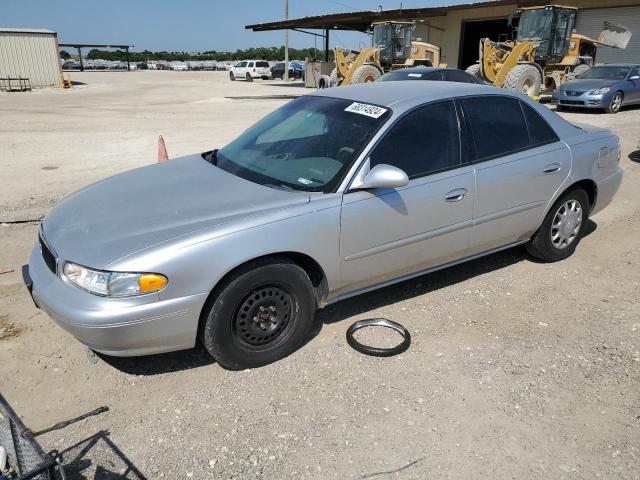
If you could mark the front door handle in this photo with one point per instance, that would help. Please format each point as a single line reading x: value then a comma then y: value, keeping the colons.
x: 455, y: 195
x: 552, y: 168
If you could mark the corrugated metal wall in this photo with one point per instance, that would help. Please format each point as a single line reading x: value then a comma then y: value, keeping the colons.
x: 30, y: 55
x: 590, y: 22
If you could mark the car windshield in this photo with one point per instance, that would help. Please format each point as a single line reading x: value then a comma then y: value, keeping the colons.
x: 307, y: 145
x: 535, y: 25
x: 405, y: 74
x: 606, y: 73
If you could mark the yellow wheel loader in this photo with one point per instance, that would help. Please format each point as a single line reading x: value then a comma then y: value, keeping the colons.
x: 545, y: 53
x: 392, y: 48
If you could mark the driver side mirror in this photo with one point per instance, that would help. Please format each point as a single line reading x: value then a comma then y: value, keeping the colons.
x: 381, y: 176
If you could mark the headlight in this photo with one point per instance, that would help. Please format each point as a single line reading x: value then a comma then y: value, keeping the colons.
x: 113, y: 284
x: 599, y: 91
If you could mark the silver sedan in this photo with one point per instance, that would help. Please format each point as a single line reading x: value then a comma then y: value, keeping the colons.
x: 336, y: 193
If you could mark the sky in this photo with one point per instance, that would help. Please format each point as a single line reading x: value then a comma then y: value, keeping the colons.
x: 186, y: 25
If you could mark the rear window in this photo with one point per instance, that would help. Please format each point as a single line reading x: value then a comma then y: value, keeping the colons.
x: 539, y: 130
x: 406, y: 74
x: 262, y: 64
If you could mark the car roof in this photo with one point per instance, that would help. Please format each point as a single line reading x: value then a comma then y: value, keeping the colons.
x: 401, y: 97
x: 407, y: 94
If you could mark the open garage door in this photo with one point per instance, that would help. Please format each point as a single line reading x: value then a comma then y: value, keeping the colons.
x: 591, y: 22
x: 471, y: 33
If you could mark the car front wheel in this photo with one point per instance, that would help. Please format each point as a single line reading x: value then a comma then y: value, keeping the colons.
x: 261, y: 314
x: 615, y: 104
x: 562, y: 229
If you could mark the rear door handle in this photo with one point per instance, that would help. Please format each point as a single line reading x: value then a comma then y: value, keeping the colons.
x: 455, y: 195
x: 552, y: 168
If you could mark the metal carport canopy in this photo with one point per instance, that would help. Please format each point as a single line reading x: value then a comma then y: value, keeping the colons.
x: 361, y: 21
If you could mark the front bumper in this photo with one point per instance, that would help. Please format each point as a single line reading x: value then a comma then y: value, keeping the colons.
x: 585, y: 100
x: 120, y: 327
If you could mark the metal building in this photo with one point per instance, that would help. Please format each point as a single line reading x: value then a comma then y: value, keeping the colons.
x: 457, y: 29
x: 32, y: 54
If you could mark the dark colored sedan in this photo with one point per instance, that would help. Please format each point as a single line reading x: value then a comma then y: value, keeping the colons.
x: 430, y: 73
x: 608, y: 87
x: 296, y: 70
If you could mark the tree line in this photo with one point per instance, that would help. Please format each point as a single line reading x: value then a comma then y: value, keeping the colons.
x: 263, y: 53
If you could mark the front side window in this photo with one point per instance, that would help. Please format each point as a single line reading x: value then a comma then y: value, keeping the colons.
x: 535, y: 25
x: 424, y: 141
x: 497, y: 124
x: 308, y: 144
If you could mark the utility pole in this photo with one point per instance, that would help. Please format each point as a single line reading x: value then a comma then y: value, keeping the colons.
x: 286, y: 42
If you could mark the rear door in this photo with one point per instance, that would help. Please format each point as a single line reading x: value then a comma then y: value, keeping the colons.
x: 388, y: 233
x: 520, y: 164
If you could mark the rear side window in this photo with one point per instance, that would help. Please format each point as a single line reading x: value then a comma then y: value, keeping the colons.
x: 540, y: 133
x: 262, y: 64
x: 424, y: 141
x: 497, y: 124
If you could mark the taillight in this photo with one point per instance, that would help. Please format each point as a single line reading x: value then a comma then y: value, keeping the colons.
x: 254, y: 69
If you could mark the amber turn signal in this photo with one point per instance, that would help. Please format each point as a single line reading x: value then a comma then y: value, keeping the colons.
x: 151, y: 282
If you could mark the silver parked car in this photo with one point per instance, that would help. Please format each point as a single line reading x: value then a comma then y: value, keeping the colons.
x: 336, y: 193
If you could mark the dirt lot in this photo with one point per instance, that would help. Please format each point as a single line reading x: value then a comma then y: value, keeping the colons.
x: 517, y: 370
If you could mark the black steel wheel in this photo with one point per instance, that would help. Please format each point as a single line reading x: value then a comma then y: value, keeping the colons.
x: 261, y: 313
x: 263, y: 316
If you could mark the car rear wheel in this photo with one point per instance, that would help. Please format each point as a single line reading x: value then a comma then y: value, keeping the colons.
x: 249, y: 78
x: 615, y: 104
x: 562, y: 229
x: 261, y: 314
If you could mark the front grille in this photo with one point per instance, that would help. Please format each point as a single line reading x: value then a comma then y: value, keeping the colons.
x: 573, y: 93
x: 49, y: 258
x: 571, y: 102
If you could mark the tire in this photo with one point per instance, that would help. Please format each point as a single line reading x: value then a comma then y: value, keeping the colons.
x: 548, y: 246
x: 333, y: 78
x: 231, y: 77
x: 259, y: 315
x: 615, y: 104
x: 578, y: 70
x: 524, y: 78
x: 366, y: 73
x: 249, y: 78
x: 474, y: 70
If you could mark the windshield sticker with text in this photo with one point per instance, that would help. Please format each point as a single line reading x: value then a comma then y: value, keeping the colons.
x: 365, y: 109
x: 414, y: 75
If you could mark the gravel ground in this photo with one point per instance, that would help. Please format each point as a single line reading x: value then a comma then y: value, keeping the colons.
x: 516, y: 370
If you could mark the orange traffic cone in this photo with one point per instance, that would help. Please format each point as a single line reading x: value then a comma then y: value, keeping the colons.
x: 162, y: 150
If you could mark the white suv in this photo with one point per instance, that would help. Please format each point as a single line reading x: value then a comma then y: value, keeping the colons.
x: 250, y: 69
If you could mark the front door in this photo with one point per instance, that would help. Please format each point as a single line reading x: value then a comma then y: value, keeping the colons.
x: 388, y: 233
x: 633, y: 90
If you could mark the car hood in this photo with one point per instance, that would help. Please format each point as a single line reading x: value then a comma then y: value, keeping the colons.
x: 135, y: 210
x: 587, y: 84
